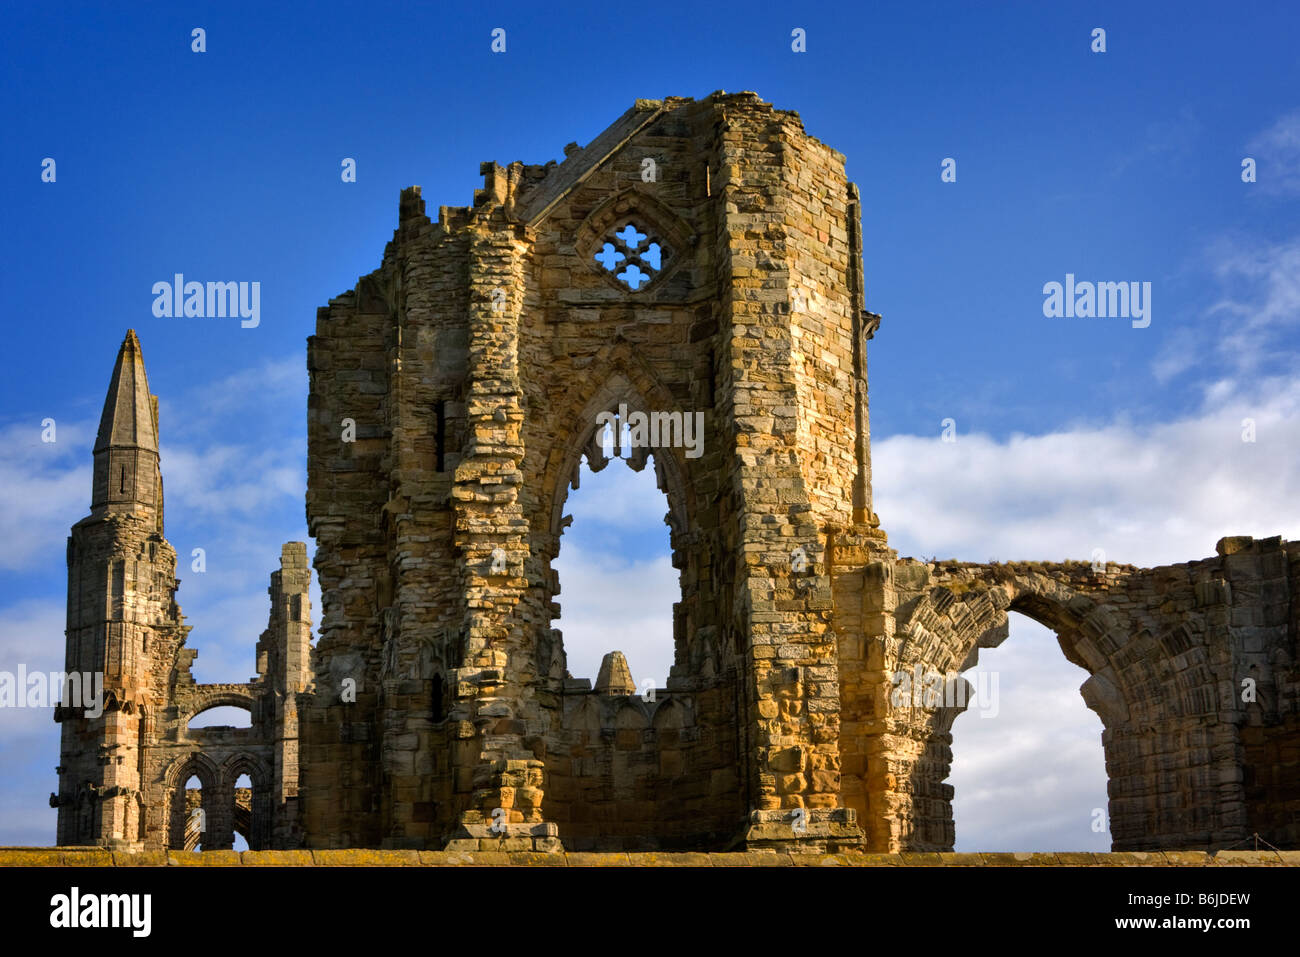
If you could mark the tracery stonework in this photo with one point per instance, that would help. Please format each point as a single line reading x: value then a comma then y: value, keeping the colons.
x: 477, y: 366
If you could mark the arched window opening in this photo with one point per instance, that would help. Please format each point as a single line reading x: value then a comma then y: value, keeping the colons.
x: 227, y: 716
x: 243, y: 812
x: 195, y: 816
x: 615, y: 571
x: 1028, y: 770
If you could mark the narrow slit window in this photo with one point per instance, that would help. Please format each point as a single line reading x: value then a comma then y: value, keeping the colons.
x: 435, y: 704
x: 440, y: 435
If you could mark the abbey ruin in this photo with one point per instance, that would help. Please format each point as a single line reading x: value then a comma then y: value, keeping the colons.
x: 695, y: 257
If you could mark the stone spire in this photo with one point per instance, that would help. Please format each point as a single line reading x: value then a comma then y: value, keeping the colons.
x: 126, y: 449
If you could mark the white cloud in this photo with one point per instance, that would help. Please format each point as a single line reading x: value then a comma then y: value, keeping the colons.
x: 1277, y: 152
x: 1145, y: 495
x: 1030, y: 777
x: 275, y: 385
x: 610, y: 604
x: 1248, y: 330
x: 620, y: 498
x: 243, y: 478
x: 234, y: 467
x: 1261, y: 302
x: 616, y: 578
x: 229, y: 448
x: 31, y: 635
x: 44, y: 489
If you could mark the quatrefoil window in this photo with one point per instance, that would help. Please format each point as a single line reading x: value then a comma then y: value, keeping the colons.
x: 634, y: 257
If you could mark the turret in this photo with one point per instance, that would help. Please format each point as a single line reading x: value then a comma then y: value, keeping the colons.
x: 126, y: 476
x: 121, y: 610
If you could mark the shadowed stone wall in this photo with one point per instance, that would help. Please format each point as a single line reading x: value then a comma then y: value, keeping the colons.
x: 699, y: 260
x: 1191, y: 672
x: 455, y: 392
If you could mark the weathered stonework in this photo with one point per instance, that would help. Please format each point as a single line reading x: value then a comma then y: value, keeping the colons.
x: 95, y: 857
x: 122, y: 775
x: 454, y: 393
x: 1191, y: 672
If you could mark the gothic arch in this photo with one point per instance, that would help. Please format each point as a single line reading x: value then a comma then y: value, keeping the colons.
x: 245, y: 763
x: 1145, y: 687
x: 180, y: 829
x: 586, y: 717
x: 629, y: 382
x: 631, y: 715
x: 195, y: 764
x: 670, y: 715
x: 252, y: 819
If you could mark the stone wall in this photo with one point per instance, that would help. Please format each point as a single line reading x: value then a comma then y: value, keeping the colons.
x: 1190, y: 670
x: 628, y: 773
x: 93, y: 857
x: 697, y: 258
x: 750, y: 220
x: 455, y: 393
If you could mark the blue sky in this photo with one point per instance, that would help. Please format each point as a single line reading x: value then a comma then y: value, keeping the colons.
x: 1072, y: 434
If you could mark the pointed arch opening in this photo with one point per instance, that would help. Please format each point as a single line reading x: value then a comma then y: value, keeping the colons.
x: 195, y: 825
x: 615, y: 566
x: 1028, y: 766
x: 191, y: 785
x: 242, y: 812
x: 627, y: 577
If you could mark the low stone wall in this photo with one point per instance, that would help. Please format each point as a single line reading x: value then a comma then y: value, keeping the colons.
x: 98, y: 857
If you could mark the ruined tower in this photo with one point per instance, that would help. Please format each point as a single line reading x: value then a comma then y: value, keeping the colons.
x: 696, y: 257
x: 121, y: 607
x: 126, y: 758
x: 704, y: 257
